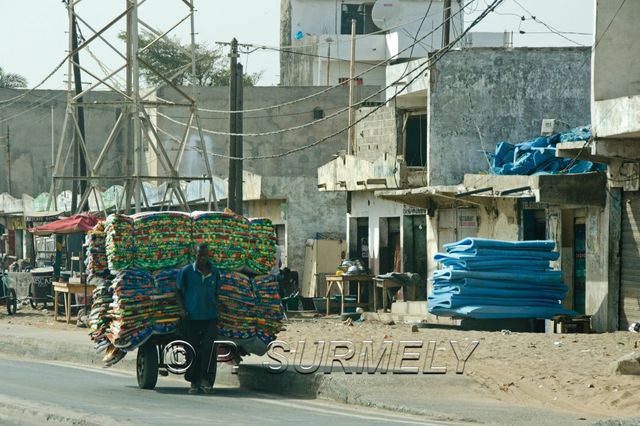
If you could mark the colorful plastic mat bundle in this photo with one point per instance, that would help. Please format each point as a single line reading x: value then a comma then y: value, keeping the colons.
x: 119, y: 241
x: 96, y: 255
x: 162, y: 240
x: 138, y: 306
x: 99, y: 317
x: 492, y: 279
x: 236, y: 306
x: 269, y: 315
x: 249, y: 310
x: 227, y: 236
x: 262, y: 255
x: 166, y: 312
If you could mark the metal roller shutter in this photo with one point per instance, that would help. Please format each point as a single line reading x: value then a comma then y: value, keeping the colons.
x: 630, y: 274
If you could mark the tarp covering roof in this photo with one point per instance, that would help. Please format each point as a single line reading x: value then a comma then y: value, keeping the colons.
x: 69, y: 225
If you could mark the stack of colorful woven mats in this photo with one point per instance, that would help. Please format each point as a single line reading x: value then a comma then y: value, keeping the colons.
x: 262, y: 255
x: 99, y: 317
x: 269, y: 314
x: 227, y: 236
x: 119, y: 242
x: 162, y: 240
x: 236, y: 306
x: 142, y: 306
x: 96, y: 256
x: 249, y: 310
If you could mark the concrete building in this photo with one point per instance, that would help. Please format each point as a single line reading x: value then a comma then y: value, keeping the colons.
x: 34, y: 123
x: 284, y: 187
x: 318, y: 32
x: 415, y: 158
x: 615, y: 109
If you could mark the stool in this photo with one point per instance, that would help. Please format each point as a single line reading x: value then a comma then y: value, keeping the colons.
x: 567, y: 324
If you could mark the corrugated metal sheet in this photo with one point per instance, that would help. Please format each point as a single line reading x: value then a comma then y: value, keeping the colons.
x: 630, y: 276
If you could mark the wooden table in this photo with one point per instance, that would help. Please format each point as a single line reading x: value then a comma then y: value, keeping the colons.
x: 342, y: 282
x: 385, y: 284
x: 67, y: 290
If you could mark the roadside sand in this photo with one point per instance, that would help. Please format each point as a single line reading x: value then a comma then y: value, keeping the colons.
x: 560, y: 371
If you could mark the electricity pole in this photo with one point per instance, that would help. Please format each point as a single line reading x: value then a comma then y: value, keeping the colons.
x: 79, y: 162
x: 446, y: 19
x: 233, y: 144
x: 352, y: 73
x: 239, y: 142
x: 8, y: 160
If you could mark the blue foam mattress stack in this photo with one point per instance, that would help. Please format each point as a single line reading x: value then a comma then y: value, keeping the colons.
x: 491, y: 279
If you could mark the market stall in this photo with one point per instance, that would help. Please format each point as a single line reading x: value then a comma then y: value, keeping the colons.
x: 50, y: 281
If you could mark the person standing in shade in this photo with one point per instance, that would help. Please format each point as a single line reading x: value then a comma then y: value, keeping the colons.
x: 198, y: 298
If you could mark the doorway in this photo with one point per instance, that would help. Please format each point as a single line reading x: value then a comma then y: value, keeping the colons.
x: 534, y: 224
x: 579, y: 265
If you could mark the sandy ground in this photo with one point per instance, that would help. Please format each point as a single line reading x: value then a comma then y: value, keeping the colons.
x: 561, y: 371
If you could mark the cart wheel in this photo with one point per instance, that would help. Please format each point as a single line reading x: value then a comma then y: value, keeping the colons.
x: 147, y: 366
x: 12, y: 302
x: 32, y: 301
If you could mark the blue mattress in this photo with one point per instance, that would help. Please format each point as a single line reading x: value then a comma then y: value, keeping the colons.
x: 485, y: 278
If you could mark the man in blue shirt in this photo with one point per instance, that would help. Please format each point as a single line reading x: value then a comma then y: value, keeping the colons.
x: 198, y: 298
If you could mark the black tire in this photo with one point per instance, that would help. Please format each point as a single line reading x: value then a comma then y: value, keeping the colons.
x: 147, y: 366
x: 12, y: 302
x: 32, y: 301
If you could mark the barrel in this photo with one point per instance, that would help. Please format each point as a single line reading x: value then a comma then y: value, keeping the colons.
x: 41, y: 287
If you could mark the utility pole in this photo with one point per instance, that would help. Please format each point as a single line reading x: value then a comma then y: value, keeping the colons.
x: 239, y: 140
x: 79, y: 162
x: 352, y: 73
x: 8, y: 159
x: 329, y: 40
x: 446, y: 19
x: 233, y: 123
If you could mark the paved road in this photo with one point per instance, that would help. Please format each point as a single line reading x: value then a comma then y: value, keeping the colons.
x: 35, y: 392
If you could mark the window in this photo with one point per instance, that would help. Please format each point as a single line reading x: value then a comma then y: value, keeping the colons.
x: 318, y: 113
x: 345, y: 81
x: 416, y: 141
x: 281, y: 234
x: 362, y: 14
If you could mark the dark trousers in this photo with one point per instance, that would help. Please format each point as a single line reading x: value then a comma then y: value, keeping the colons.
x: 201, y: 334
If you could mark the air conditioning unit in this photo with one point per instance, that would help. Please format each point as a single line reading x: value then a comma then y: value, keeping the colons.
x: 552, y: 126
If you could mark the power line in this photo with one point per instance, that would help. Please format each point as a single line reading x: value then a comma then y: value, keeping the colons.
x: 38, y: 104
x: 436, y: 57
x: 328, y: 89
x: 552, y: 29
x: 309, y: 124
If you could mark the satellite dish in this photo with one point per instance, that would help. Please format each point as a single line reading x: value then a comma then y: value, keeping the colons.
x: 387, y: 14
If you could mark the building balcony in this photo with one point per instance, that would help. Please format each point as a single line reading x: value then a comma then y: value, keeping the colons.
x: 350, y: 173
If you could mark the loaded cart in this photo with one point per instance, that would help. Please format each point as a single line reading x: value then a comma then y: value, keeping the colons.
x: 134, y: 262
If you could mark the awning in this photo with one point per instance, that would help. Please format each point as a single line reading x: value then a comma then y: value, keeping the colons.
x: 584, y: 189
x: 422, y: 197
x: 69, y: 225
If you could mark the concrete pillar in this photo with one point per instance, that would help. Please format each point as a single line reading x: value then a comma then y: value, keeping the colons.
x: 603, y: 263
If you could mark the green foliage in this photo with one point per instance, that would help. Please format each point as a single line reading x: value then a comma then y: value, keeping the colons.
x: 172, y: 60
x: 12, y: 81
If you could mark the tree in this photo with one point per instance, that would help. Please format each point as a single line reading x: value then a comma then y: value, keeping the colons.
x: 12, y: 81
x: 172, y: 59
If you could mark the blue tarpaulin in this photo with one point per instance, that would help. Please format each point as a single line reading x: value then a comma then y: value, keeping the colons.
x: 538, y: 156
x: 487, y: 279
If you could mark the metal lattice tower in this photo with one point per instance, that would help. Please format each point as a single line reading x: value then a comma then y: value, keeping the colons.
x: 134, y: 119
